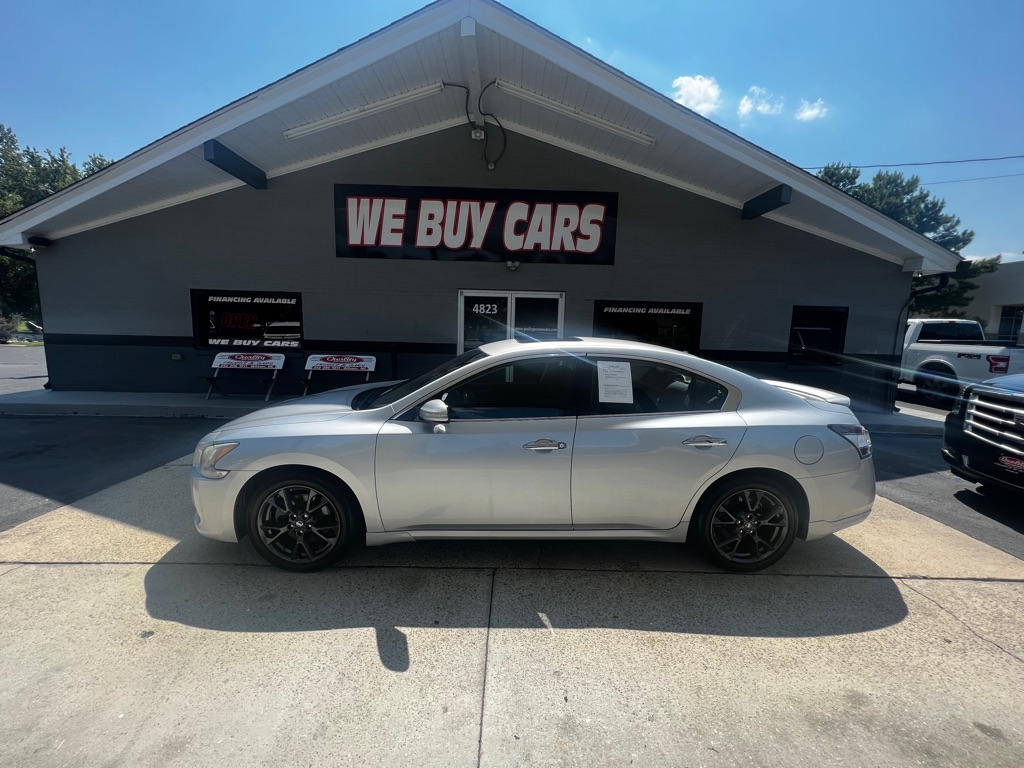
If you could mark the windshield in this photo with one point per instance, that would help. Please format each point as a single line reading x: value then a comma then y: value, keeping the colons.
x: 399, y: 391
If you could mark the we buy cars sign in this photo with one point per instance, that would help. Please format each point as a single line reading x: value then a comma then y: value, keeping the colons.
x: 464, y: 224
x: 365, y: 363
x: 260, y: 360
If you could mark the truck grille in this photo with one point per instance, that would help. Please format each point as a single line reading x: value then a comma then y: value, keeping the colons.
x: 997, y: 420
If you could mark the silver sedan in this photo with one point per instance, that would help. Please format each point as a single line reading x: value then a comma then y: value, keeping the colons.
x: 568, y: 439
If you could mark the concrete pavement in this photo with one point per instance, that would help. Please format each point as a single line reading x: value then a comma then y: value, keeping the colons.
x: 130, y: 640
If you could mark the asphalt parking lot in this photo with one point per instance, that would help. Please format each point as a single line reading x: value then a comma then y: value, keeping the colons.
x: 130, y: 640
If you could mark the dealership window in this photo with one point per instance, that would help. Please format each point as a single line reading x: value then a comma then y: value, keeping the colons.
x: 675, y: 325
x: 486, y: 316
x: 1010, y: 322
x: 817, y: 335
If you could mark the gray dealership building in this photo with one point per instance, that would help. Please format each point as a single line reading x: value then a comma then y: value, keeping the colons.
x: 459, y: 176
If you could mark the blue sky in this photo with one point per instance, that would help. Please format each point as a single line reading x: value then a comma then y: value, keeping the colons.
x: 874, y: 82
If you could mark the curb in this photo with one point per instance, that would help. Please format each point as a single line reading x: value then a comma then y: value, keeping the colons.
x: 152, y: 411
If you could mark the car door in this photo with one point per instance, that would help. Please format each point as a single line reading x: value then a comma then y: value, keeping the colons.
x: 503, y: 461
x: 647, y: 437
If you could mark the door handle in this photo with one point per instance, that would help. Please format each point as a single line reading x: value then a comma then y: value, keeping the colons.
x: 544, y: 444
x: 705, y: 441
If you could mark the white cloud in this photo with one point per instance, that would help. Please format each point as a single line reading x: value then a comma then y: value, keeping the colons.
x: 809, y: 111
x: 699, y: 93
x: 759, y: 100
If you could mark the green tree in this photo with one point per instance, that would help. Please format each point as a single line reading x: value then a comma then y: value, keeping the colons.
x: 901, y: 198
x: 949, y: 301
x: 26, y: 177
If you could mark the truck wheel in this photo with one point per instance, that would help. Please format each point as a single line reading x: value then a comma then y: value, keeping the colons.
x: 938, y: 387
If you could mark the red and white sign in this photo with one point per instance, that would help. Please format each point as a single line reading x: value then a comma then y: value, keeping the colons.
x: 364, y: 363
x: 465, y: 224
x: 1012, y: 463
x: 270, y: 361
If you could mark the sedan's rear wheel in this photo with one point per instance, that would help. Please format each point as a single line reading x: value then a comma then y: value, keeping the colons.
x: 299, y: 523
x: 747, y: 525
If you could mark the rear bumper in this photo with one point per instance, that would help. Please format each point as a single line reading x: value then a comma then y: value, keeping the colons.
x: 822, y: 528
x: 840, y: 500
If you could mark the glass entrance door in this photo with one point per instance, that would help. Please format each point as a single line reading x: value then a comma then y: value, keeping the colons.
x: 486, y: 316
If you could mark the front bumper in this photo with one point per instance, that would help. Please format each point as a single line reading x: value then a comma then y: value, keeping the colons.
x: 975, y: 461
x: 214, y: 502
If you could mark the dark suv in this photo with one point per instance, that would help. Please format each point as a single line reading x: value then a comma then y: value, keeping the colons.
x: 984, y: 435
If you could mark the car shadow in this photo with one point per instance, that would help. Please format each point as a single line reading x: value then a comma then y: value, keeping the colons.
x: 58, y: 460
x: 1004, y: 508
x: 823, y: 588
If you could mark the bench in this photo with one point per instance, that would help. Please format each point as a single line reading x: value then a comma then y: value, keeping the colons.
x: 336, y: 364
x: 246, y: 363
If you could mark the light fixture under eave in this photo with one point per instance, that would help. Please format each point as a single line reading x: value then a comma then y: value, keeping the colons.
x: 364, y: 111
x: 565, y: 109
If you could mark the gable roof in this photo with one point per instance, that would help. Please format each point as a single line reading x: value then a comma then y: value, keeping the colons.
x: 396, y: 84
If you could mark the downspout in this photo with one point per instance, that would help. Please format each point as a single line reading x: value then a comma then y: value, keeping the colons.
x: 898, y: 341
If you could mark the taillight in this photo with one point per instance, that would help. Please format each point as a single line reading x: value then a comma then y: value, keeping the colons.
x: 998, y: 363
x: 857, y: 435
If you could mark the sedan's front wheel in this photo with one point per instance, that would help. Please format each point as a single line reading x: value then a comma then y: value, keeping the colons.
x: 747, y: 525
x: 299, y: 523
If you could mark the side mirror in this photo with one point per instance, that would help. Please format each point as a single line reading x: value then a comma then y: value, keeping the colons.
x: 435, y: 411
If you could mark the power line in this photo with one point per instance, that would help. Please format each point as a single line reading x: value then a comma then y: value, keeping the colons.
x: 931, y: 162
x: 978, y: 178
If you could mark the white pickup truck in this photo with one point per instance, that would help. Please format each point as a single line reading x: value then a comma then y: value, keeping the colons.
x: 939, y: 356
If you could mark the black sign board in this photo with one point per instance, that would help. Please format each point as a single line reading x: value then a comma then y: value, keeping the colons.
x: 666, y: 323
x: 460, y: 224
x: 238, y: 320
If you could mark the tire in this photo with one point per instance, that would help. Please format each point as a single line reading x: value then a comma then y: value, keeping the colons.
x: 747, y: 525
x: 938, y: 387
x: 299, y: 522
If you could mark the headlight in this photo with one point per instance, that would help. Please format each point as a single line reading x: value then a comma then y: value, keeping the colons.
x: 857, y: 435
x: 207, y: 456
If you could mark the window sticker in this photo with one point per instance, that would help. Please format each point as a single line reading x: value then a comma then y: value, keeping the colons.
x: 614, y: 382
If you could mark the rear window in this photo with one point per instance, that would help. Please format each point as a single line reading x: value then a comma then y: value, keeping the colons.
x: 951, y: 332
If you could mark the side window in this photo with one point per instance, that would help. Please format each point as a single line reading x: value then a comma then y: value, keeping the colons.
x: 526, y: 389
x: 1011, y: 321
x: 651, y: 388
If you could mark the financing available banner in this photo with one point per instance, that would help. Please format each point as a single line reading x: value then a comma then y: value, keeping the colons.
x: 463, y: 224
x: 670, y: 324
x: 246, y: 320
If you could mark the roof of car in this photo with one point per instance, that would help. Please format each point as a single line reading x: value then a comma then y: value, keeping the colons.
x: 574, y: 343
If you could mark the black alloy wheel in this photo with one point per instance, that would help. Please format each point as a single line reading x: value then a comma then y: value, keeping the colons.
x: 747, y: 526
x: 299, y: 523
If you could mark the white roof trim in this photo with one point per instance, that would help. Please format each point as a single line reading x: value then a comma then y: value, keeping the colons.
x: 358, y: 149
x: 142, y: 210
x: 625, y: 165
x: 356, y: 56
x: 500, y: 20
x: 646, y: 100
